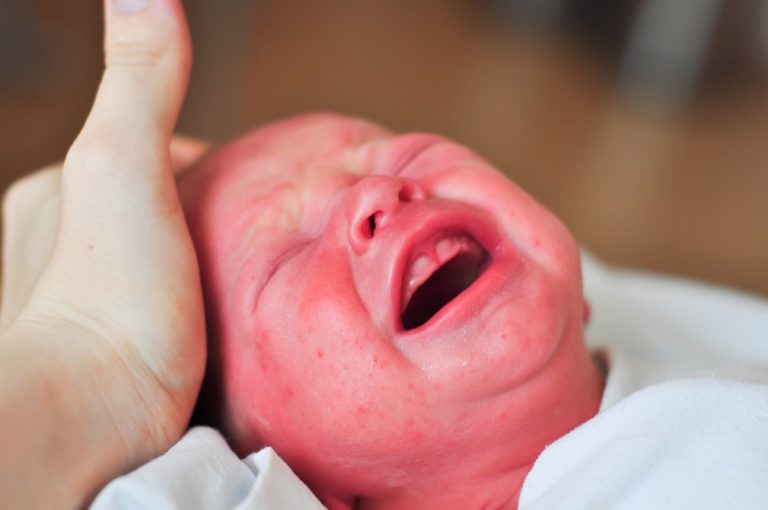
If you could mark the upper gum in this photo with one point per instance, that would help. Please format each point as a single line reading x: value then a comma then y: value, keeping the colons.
x: 427, y: 258
x: 437, y: 252
x: 421, y: 265
x: 444, y: 246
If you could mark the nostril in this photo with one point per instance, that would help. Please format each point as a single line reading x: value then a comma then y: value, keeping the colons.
x: 367, y: 227
x: 375, y: 202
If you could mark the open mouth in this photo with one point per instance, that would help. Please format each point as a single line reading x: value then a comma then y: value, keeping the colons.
x: 440, y: 270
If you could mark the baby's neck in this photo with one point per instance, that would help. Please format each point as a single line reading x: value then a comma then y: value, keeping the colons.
x: 501, y: 492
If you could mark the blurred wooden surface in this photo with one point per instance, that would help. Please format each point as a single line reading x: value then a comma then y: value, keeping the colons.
x: 684, y: 193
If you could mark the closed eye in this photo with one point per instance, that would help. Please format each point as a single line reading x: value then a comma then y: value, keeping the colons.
x: 258, y: 284
x: 286, y: 257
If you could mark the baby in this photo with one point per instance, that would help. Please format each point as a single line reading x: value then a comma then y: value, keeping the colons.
x: 399, y: 321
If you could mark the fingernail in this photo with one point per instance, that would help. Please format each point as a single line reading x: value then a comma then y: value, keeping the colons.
x: 131, y: 6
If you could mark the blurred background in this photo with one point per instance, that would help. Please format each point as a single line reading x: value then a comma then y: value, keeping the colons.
x: 642, y: 123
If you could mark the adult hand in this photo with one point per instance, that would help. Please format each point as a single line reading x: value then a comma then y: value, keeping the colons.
x: 103, y: 342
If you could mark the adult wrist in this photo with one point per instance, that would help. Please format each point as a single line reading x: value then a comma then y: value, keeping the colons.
x: 57, y: 433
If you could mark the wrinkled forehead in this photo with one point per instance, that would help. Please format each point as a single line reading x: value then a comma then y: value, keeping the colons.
x: 285, y: 152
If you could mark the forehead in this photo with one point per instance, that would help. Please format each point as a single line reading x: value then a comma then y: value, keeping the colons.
x: 292, y: 150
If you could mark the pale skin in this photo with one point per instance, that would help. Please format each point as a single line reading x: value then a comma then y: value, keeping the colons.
x: 102, y: 347
x: 103, y: 338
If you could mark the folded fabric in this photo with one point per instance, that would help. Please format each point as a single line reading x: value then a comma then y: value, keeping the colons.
x: 201, y: 472
x: 698, y: 442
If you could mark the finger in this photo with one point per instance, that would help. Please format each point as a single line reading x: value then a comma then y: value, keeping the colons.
x: 123, y: 147
x: 147, y: 58
x: 185, y: 151
x: 30, y: 225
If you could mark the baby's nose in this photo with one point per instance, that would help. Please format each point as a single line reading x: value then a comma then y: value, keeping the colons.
x: 375, y: 201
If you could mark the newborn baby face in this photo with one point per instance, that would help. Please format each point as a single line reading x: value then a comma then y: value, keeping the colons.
x: 386, y: 311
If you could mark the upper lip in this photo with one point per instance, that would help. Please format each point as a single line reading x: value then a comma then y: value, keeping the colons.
x: 436, y: 219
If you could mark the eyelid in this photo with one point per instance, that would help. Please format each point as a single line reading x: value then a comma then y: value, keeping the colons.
x: 273, y: 267
x: 284, y: 258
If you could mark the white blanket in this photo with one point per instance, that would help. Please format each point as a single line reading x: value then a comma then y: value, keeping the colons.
x: 697, y: 442
x: 683, y: 421
x: 201, y: 472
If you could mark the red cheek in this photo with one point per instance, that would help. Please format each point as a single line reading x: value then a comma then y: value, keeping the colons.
x: 412, y: 433
x: 261, y: 345
x: 362, y: 417
x: 379, y: 363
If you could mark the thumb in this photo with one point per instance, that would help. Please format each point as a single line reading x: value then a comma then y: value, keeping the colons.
x: 147, y: 57
x: 122, y: 149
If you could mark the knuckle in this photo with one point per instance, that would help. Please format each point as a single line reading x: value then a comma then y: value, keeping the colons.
x: 88, y: 154
x: 140, y: 54
x: 105, y: 158
x: 100, y: 145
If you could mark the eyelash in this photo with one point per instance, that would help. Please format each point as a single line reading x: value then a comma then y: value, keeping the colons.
x: 286, y: 257
x: 274, y: 267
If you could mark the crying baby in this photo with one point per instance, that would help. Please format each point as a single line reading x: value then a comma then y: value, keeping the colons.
x: 392, y: 315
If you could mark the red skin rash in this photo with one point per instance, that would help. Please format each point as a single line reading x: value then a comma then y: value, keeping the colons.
x: 303, y: 301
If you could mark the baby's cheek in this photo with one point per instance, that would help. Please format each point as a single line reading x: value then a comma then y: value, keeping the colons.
x: 530, y: 335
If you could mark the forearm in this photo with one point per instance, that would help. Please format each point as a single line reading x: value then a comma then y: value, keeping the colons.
x: 57, y: 448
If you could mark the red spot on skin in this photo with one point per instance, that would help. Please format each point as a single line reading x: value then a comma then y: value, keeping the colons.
x: 379, y: 363
x: 320, y: 354
x: 288, y: 391
x: 361, y: 416
x: 418, y: 435
x: 261, y: 352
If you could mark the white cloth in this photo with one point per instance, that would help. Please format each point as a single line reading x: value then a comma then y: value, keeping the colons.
x: 698, y: 442
x: 683, y: 421
x: 201, y: 472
